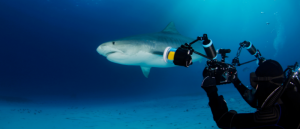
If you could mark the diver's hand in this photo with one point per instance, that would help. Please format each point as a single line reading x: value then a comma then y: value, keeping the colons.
x: 292, y: 85
x: 210, y: 87
x: 207, y: 72
x: 208, y: 80
x: 232, y: 75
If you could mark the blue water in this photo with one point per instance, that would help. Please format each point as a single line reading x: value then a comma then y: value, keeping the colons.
x: 48, y: 47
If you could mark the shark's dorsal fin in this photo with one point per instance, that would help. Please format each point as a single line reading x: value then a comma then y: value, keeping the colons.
x: 170, y: 28
x: 146, y: 71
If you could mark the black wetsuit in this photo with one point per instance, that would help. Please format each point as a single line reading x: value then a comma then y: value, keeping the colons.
x: 284, y: 115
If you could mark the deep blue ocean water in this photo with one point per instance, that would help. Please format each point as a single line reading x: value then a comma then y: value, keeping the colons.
x: 48, y: 47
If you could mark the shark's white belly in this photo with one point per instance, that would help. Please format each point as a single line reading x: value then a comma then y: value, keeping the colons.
x: 144, y: 59
x: 140, y: 59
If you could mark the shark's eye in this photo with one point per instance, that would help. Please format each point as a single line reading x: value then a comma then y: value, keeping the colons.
x: 113, y: 43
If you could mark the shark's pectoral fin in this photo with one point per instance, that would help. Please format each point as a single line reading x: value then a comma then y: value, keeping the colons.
x: 146, y: 71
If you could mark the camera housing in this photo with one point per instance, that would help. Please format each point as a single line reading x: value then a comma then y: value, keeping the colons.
x: 220, y: 70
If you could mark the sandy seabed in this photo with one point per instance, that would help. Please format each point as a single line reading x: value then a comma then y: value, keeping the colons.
x: 180, y: 112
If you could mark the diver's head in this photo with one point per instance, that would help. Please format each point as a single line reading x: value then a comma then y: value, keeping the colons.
x: 267, y: 81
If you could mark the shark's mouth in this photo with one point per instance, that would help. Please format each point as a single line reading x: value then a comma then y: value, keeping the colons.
x: 110, y: 53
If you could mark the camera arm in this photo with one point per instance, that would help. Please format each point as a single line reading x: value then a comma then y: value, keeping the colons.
x: 189, y: 46
x: 251, y: 49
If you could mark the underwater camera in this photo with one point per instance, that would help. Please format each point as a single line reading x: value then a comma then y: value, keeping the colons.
x: 182, y: 56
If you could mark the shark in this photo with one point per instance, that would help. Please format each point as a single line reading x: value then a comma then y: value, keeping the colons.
x: 146, y: 50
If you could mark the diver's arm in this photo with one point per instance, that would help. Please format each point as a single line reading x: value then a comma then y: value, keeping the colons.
x: 230, y: 119
x: 293, y: 93
x: 260, y: 119
x: 292, y: 97
x: 245, y: 92
x: 217, y: 103
x: 224, y: 118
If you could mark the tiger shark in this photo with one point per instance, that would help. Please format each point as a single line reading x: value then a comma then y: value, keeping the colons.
x: 146, y: 50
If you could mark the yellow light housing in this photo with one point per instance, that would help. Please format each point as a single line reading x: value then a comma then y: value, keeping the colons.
x: 171, y: 55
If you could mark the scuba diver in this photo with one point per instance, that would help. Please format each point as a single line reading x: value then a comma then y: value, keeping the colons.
x: 273, y: 110
x: 275, y: 93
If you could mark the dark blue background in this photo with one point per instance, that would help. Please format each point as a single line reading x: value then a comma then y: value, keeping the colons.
x: 48, y: 48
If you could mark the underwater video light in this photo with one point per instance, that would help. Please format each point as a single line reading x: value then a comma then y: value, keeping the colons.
x: 179, y: 56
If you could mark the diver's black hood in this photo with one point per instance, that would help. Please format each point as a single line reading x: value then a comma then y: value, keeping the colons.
x: 267, y: 92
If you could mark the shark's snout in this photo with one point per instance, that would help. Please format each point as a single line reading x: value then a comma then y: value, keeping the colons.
x: 100, y: 50
x: 106, y: 50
